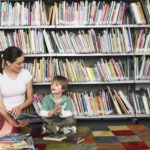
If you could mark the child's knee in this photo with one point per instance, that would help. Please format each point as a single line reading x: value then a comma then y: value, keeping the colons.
x: 71, y: 121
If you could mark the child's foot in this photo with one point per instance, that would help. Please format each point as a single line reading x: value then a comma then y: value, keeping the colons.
x: 69, y: 130
x: 44, y: 130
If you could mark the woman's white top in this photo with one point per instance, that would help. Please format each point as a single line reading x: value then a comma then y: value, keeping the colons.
x: 13, y: 91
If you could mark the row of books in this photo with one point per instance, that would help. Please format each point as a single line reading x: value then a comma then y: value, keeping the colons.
x: 91, y: 41
x: 45, y: 69
x: 140, y: 99
x: 106, y: 102
x: 73, y: 13
x: 140, y: 11
x: 142, y: 66
x: 37, y: 100
x: 98, y: 12
x: 87, y: 13
x: 30, y: 41
x: 141, y: 40
x: 113, y: 40
x: 23, y: 13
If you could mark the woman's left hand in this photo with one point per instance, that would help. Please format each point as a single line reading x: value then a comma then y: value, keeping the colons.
x: 16, y: 111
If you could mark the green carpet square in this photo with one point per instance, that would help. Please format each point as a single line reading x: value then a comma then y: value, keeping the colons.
x: 59, y: 146
x: 132, y: 138
x: 84, y: 147
x: 111, y: 146
x: 122, y: 127
x: 84, y: 129
x: 147, y: 143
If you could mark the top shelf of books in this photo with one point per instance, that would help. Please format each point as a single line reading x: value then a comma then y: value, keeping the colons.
x: 74, y: 13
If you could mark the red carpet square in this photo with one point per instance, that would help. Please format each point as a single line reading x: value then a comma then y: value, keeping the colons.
x: 135, y: 145
x: 89, y: 139
x: 40, y: 146
x: 123, y: 132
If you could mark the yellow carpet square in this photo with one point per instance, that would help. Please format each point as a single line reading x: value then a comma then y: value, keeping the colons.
x: 102, y: 133
x: 113, y: 128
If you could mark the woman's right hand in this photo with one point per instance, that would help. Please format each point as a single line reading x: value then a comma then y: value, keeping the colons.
x: 13, y: 122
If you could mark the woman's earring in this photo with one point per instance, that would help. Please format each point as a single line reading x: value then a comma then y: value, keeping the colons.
x: 2, y: 63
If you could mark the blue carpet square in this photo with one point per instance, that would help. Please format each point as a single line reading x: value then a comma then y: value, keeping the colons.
x: 106, y: 139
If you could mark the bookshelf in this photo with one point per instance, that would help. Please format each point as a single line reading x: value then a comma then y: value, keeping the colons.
x: 97, y: 45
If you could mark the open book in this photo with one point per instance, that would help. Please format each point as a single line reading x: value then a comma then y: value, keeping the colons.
x: 57, y: 137
x: 23, y: 116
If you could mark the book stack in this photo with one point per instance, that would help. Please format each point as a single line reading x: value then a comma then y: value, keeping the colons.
x: 16, y: 141
x: 74, y: 139
x: 60, y: 137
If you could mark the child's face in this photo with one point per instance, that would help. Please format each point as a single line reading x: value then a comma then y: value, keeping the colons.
x: 56, y: 88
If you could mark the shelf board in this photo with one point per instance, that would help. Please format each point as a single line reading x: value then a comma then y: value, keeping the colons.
x: 142, y: 53
x: 77, y: 55
x: 142, y: 115
x: 103, y: 26
x: 142, y: 81
x: 104, y: 117
x: 73, y: 26
x: 27, y: 27
x: 90, y: 82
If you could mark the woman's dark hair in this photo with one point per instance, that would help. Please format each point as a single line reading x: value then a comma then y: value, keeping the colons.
x: 9, y: 54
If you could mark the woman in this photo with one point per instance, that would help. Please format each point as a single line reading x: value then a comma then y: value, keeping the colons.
x: 15, y: 84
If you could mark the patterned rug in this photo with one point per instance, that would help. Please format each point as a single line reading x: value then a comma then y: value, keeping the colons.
x: 122, y: 137
x: 97, y: 137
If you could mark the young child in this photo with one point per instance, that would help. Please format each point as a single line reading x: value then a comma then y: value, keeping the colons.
x: 57, y: 109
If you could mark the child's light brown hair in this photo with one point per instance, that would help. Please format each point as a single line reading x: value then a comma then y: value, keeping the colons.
x: 63, y: 81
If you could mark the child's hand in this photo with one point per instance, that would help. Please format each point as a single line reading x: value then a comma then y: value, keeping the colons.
x: 58, y: 108
x: 55, y: 109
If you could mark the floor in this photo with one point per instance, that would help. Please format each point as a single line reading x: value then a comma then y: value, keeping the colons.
x: 105, y: 134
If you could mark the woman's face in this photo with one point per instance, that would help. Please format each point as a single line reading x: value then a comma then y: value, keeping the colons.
x: 17, y: 65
